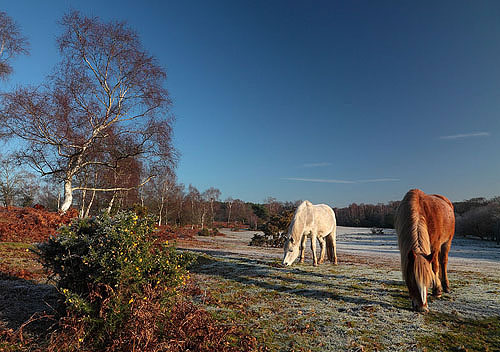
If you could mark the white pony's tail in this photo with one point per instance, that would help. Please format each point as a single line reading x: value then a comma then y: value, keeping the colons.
x: 330, y: 248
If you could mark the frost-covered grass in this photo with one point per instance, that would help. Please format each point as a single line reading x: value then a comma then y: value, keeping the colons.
x: 353, y: 306
x: 359, y: 305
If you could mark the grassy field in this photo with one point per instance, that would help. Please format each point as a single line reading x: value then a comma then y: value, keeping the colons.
x: 359, y: 305
x: 352, y: 307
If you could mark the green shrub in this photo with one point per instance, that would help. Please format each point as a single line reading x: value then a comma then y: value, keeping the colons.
x: 105, y: 265
x: 377, y: 231
x: 275, y: 231
x: 204, y: 232
x: 207, y: 232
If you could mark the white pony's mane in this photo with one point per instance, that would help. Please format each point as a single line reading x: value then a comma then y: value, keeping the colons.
x: 299, y: 221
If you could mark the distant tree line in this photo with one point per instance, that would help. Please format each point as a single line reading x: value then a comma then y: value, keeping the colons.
x: 367, y: 215
x: 478, y: 217
x: 170, y: 201
x: 175, y: 204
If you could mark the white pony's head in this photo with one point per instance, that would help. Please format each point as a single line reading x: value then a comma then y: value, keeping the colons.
x: 295, y: 231
x: 291, y: 251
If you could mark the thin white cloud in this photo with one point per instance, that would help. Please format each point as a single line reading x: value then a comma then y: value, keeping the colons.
x: 317, y: 164
x: 379, y: 180
x: 316, y: 180
x: 466, y: 135
x: 322, y: 180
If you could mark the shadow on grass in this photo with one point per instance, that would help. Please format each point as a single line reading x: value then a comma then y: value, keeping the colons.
x: 22, y: 299
x: 454, y: 333
x: 267, y: 275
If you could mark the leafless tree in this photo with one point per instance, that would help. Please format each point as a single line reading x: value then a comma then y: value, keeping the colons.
x: 10, y: 181
x: 105, y: 103
x: 12, y: 43
x: 211, y: 195
x: 165, y: 197
x: 164, y: 186
x: 194, y: 199
x: 272, y: 205
x: 229, y: 203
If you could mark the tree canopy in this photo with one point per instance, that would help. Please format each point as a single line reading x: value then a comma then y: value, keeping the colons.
x: 104, y: 109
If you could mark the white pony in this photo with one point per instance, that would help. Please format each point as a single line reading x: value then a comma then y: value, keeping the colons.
x: 318, y: 222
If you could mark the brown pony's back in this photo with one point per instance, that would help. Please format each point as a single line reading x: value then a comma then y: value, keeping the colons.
x: 425, y: 225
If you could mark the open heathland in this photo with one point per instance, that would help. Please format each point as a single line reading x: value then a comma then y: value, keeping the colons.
x: 360, y: 305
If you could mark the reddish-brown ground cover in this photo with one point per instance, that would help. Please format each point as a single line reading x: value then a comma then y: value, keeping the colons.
x: 31, y: 225
x: 167, y: 232
x: 232, y: 225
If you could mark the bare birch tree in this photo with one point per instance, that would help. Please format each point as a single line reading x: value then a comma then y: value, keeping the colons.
x: 12, y: 43
x: 106, y: 103
x: 211, y: 195
x: 229, y: 203
x: 10, y: 181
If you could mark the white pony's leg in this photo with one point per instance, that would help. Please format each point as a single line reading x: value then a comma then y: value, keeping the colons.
x: 313, y: 247
x: 334, y: 237
x: 322, y: 246
x: 303, y: 248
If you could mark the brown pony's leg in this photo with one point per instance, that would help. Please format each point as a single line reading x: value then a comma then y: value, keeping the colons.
x: 437, y: 289
x: 445, y: 248
x: 303, y: 248
x: 322, y: 246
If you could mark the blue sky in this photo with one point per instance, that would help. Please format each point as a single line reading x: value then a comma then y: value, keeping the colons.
x: 335, y: 102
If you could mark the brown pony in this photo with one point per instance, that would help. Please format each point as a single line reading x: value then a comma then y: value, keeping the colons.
x: 425, y: 225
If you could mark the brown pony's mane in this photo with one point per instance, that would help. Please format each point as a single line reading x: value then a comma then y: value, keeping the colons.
x: 411, y: 222
x: 425, y: 227
x: 414, y: 242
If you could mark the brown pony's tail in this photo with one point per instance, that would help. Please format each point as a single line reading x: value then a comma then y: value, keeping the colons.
x: 419, y: 275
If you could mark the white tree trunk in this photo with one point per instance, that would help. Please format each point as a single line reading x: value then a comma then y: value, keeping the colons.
x: 96, y: 175
x: 68, y: 196
x: 90, y: 205
x: 110, y: 205
x: 212, y: 211
x: 82, y: 207
x: 160, y: 212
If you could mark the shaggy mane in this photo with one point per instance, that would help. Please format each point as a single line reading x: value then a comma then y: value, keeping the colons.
x: 411, y: 226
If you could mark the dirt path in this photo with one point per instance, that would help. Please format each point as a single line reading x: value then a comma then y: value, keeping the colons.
x: 359, y: 305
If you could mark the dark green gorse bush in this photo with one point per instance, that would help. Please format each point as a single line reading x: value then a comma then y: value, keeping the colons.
x: 275, y: 231
x: 104, y: 265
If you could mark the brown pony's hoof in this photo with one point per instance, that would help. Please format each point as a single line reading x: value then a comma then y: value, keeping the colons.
x: 420, y: 309
x: 437, y: 293
x: 301, y: 261
x: 315, y: 264
x: 423, y: 310
x: 446, y: 289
